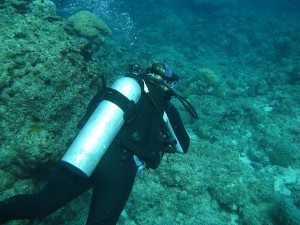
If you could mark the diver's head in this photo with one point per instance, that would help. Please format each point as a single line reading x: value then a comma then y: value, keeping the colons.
x: 162, y: 71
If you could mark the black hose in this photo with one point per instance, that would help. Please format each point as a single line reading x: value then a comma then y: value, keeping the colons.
x: 189, y: 107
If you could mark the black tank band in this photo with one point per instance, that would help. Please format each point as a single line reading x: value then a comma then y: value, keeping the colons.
x: 128, y: 106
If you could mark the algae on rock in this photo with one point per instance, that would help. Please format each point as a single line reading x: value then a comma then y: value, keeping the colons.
x: 205, y: 81
x: 86, y: 24
x: 46, y: 81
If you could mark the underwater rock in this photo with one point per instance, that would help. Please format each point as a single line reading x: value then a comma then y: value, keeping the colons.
x: 4, y: 81
x: 20, y: 6
x: 283, y: 46
x: 262, y: 87
x: 294, y: 75
x: 45, y: 84
x: 283, y: 153
x: 2, y: 2
x: 285, y: 212
x: 210, y: 77
x: 86, y: 24
x: 43, y: 8
x: 230, y: 194
x: 205, y: 81
x: 6, y: 181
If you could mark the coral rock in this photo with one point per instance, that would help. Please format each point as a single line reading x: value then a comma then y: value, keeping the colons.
x: 86, y: 24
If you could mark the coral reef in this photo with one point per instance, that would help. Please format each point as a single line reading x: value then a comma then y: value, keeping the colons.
x: 239, y: 66
x: 285, y: 212
x: 46, y: 81
x: 294, y: 75
x: 205, y: 81
x: 86, y: 24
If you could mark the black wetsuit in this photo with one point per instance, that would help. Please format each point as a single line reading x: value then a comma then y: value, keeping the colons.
x: 111, y: 182
x: 113, y: 178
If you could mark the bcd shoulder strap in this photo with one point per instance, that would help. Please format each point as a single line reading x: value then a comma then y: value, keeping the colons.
x: 128, y: 106
x: 113, y: 96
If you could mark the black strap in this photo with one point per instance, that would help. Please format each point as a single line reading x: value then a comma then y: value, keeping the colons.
x: 128, y: 106
x: 91, y: 108
x: 103, y: 82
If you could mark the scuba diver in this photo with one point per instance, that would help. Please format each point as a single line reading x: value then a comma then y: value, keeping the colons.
x: 126, y: 127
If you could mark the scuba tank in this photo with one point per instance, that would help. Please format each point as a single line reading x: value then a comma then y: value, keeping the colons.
x: 102, y: 127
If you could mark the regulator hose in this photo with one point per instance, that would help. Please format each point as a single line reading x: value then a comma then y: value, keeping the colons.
x: 189, y: 107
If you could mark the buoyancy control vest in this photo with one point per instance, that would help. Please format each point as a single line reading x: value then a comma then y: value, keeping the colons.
x: 145, y: 134
x: 144, y: 131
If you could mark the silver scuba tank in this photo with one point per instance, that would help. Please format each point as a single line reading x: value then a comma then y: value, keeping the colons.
x: 100, y: 130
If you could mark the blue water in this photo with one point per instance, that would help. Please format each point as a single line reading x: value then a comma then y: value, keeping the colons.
x: 203, y: 22
x: 239, y: 65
